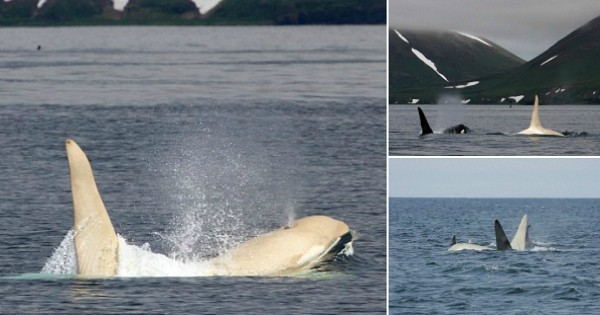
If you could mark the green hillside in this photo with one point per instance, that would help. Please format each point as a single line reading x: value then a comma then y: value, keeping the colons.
x: 301, y: 11
x: 456, y: 56
x: 568, y: 72
x: 185, y: 12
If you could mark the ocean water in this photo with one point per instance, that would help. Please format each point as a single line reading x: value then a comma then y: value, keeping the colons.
x: 200, y: 138
x: 559, y: 275
x: 492, y: 130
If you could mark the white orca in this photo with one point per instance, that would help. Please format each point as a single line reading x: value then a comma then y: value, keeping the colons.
x: 535, y: 128
x: 306, y: 243
x: 520, y: 240
x: 466, y: 246
x: 426, y: 129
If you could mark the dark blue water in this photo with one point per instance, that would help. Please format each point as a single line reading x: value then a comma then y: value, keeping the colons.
x: 558, y: 276
x: 192, y: 157
x: 493, y: 128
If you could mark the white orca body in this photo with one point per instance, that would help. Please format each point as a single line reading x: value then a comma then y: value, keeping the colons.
x: 305, y: 244
x: 535, y: 128
x: 467, y: 246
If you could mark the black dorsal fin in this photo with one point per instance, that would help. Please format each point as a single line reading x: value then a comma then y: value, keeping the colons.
x: 425, y: 129
x: 453, y: 240
x: 502, y: 242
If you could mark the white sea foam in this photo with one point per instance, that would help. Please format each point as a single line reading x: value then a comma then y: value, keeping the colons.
x: 428, y: 62
x: 134, y: 261
x: 140, y: 261
x: 63, y: 261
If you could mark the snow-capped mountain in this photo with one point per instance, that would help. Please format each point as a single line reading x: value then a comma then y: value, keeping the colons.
x: 567, y: 73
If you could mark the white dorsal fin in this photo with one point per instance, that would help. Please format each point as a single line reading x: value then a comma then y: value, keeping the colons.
x: 535, y: 128
x: 519, y: 241
x: 535, y: 115
x: 95, y: 239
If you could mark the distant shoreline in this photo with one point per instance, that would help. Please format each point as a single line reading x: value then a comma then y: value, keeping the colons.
x: 185, y: 12
x: 165, y: 23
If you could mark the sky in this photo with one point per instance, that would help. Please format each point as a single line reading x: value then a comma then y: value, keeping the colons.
x: 524, y: 27
x: 495, y: 177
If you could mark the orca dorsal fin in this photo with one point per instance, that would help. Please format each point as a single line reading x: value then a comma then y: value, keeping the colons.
x: 521, y: 238
x: 535, y: 115
x: 425, y: 128
x: 502, y: 242
x: 453, y: 240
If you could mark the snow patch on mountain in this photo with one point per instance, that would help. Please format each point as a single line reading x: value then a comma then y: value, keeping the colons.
x: 474, y: 38
x: 119, y: 5
x: 548, y: 60
x: 517, y: 98
x: 206, y: 5
x: 462, y: 86
x: 428, y: 62
x: 401, y: 37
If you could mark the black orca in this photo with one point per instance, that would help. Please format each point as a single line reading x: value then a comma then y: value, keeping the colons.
x: 426, y: 129
x: 502, y: 242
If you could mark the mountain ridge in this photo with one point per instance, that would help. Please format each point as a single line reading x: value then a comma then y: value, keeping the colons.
x: 185, y: 12
x: 568, y: 72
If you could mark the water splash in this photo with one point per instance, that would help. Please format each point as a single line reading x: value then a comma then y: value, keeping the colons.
x: 63, y: 260
x: 213, y: 191
x: 217, y: 188
x: 140, y: 261
x: 450, y: 112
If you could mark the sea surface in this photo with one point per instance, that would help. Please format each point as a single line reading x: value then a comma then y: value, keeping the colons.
x: 200, y: 138
x: 559, y: 275
x: 493, y: 129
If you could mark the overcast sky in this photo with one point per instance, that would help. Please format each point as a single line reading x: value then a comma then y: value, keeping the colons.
x: 495, y: 177
x: 525, y: 27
